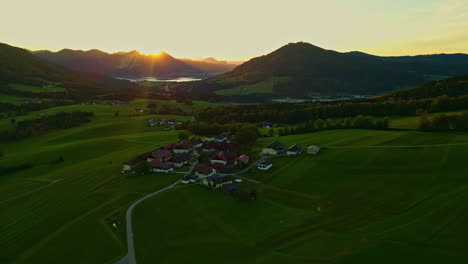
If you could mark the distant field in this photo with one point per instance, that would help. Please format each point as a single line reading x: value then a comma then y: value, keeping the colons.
x: 36, y: 89
x: 12, y: 99
x: 412, y: 122
x: 265, y: 87
x: 353, y: 205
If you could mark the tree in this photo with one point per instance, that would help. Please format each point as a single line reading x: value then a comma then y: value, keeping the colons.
x: 183, y: 136
x: 424, y: 122
x: 247, y: 135
x: 271, y: 132
x: 116, y: 114
x: 151, y: 106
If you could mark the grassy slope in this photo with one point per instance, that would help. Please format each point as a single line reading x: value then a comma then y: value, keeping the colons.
x: 66, y: 222
x: 361, y: 205
x: 265, y: 87
x: 36, y: 89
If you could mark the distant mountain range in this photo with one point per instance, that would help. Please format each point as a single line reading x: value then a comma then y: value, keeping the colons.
x: 20, y: 66
x: 301, y: 70
x: 134, y: 64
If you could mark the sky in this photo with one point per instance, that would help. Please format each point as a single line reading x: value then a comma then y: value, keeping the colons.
x: 237, y: 30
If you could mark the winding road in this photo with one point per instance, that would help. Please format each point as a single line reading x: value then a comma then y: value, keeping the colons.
x: 130, y: 257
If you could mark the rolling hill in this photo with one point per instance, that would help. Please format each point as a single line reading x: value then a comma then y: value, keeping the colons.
x: 302, y: 70
x: 21, y: 67
x: 455, y: 86
x: 134, y: 64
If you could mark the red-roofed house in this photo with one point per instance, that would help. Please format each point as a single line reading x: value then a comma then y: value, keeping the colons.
x: 203, y: 171
x: 222, y: 158
x: 161, y: 155
x: 158, y: 166
x: 183, y: 147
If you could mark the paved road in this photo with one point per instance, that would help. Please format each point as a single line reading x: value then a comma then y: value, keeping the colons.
x: 9, y: 156
x: 130, y: 257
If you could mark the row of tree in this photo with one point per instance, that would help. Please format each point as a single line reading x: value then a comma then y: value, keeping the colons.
x: 359, y: 122
x: 443, y: 122
x: 39, y: 126
x: 296, y: 113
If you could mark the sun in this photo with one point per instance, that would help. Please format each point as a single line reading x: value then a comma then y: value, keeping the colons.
x: 157, y: 54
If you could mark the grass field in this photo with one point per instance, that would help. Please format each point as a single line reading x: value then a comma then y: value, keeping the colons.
x: 349, y: 205
x: 36, y: 89
x: 61, y: 213
x: 346, y: 205
x: 265, y: 87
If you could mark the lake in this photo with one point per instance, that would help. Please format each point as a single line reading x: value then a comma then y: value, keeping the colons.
x: 161, y: 79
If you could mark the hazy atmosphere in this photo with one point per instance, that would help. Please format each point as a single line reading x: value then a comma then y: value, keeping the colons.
x: 238, y: 30
x: 232, y: 132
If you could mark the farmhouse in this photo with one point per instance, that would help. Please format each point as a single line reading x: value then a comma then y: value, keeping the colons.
x: 223, y: 158
x: 183, y: 147
x: 243, y: 159
x: 217, y: 182
x: 294, y: 150
x: 130, y: 165
x: 223, y: 137
x: 161, y: 155
x: 179, y: 160
x: 158, y: 166
x: 203, y: 171
x: 189, y: 179
x: 266, y: 124
x: 264, y: 165
x: 274, y: 148
x: 314, y: 150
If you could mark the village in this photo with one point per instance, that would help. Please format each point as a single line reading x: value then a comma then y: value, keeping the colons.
x: 212, y: 162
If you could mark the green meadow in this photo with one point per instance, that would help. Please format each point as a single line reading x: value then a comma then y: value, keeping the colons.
x: 62, y: 212
x: 345, y: 205
x: 264, y: 87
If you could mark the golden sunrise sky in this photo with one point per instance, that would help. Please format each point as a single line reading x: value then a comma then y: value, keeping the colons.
x: 237, y: 29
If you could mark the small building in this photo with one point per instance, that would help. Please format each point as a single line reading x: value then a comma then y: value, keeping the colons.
x: 161, y: 155
x: 179, y: 160
x: 223, y: 158
x: 266, y: 124
x: 264, y: 165
x: 203, y: 171
x: 130, y: 165
x: 314, y: 150
x: 274, y: 148
x: 183, y: 147
x: 217, y: 182
x: 158, y: 166
x: 243, y: 159
x: 294, y: 150
x: 223, y: 137
x: 189, y: 179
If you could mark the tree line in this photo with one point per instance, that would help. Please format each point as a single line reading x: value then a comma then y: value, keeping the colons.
x: 443, y: 122
x: 39, y: 126
x: 298, y: 112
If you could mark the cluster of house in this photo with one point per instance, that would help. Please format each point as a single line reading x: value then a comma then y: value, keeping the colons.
x: 209, y: 177
x: 169, y: 123
x: 166, y: 159
x: 277, y: 148
x: 175, y: 155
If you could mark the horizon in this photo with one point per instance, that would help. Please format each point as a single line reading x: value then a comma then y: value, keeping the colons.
x: 204, y: 29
